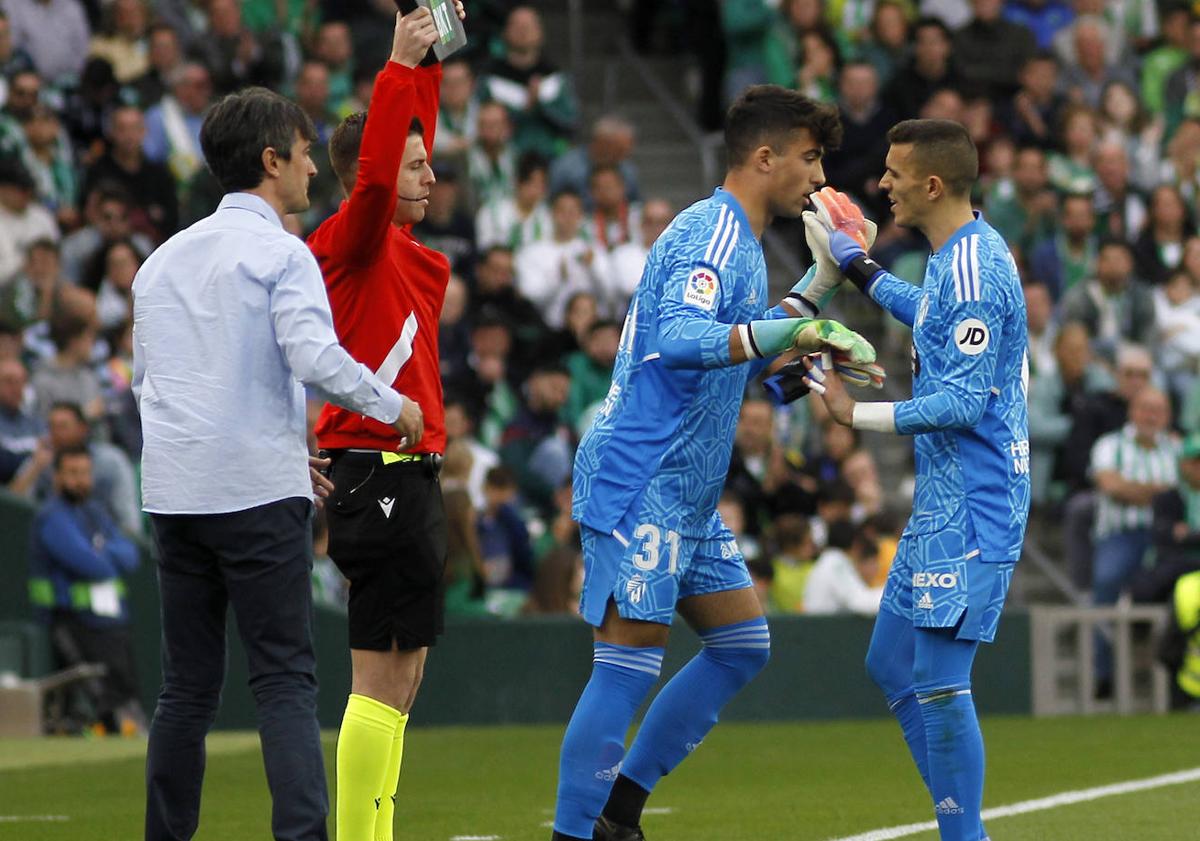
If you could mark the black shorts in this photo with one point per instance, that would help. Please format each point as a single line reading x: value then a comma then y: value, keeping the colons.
x: 387, y: 534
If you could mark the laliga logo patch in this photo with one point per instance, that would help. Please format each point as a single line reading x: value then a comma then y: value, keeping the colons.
x: 971, y: 336
x: 701, y: 289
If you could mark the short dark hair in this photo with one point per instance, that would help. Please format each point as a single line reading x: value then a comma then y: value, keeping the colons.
x: 601, y: 168
x: 70, y: 452
x: 500, y: 477
x: 929, y: 22
x: 529, y: 163
x: 769, y: 114
x: 1111, y: 241
x: 943, y: 148
x: 346, y: 143
x: 69, y: 406
x: 241, y: 126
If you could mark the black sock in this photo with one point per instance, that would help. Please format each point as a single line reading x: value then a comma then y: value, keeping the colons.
x: 626, y: 802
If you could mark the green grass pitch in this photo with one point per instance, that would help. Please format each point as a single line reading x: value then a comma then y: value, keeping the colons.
x: 792, y: 782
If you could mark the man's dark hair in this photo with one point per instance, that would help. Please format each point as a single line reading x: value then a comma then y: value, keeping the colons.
x: 599, y: 168
x: 241, y: 126
x: 768, y: 115
x: 43, y: 244
x: 528, y: 164
x: 942, y: 148
x: 928, y: 22
x: 66, y: 325
x: 1110, y: 241
x: 500, y: 477
x: 346, y: 142
x: 565, y: 191
x: 836, y: 490
x: 602, y: 324
x: 68, y: 406
x: 70, y: 452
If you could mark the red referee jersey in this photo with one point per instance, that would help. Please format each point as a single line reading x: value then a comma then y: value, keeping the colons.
x: 385, y: 288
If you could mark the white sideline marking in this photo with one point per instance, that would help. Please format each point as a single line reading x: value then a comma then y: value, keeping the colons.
x: 1066, y: 798
x: 653, y: 810
x: 475, y: 837
x: 33, y: 818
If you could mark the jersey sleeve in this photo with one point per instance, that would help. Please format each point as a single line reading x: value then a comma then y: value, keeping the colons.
x: 427, y: 95
x: 699, y: 281
x: 967, y: 360
x: 898, y: 297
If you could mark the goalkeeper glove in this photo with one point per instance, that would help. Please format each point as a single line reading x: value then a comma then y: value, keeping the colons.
x: 816, y: 289
x: 787, y: 384
x: 837, y: 232
x: 771, y: 337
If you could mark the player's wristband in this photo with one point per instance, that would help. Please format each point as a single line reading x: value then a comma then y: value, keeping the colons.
x: 874, y: 417
x: 862, y: 271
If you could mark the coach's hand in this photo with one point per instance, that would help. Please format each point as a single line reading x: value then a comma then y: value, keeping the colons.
x: 410, y: 424
x: 413, y: 36
x: 321, y: 484
x: 837, y: 401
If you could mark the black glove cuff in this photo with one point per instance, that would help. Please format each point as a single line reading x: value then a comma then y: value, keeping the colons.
x: 861, y: 271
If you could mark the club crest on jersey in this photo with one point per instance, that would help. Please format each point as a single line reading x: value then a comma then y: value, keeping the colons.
x: 701, y: 288
x: 971, y: 336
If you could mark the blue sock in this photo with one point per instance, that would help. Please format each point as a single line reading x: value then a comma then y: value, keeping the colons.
x: 687, y: 707
x: 942, y: 680
x: 890, y: 665
x: 594, y: 743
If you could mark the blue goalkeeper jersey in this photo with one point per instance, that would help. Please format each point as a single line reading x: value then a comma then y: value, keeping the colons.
x: 663, y: 437
x: 970, y: 377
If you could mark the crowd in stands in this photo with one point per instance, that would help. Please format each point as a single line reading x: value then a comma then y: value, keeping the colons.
x: 1087, y: 117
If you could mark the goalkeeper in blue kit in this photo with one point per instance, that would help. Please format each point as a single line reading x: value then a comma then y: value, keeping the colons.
x: 649, y: 471
x: 968, y: 417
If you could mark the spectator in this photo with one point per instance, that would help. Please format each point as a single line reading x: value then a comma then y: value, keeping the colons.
x: 614, y: 220
x: 496, y: 295
x: 539, y: 97
x: 460, y: 427
x: 537, y: 446
x: 447, y: 227
x: 87, y: 108
x: 1159, y: 248
x: 115, y: 268
x: 54, y: 33
x: 78, y: 560
x: 124, y: 163
x: 1042, y: 328
x: 755, y: 47
x: 22, y: 220
x: 312, y: 95
x: 1177, y: 323
x: 1120, y: 210
x: 1023, y: 208
x: 840, y: 580
x: 990, y: 51
x: 1113, y: 305
x: 516, y: 220
x: 1126, y: 121
x: 458, y: 111
x: 20, y: 429
x: 492, y: 158
x: 454, y: 331
x: 927, y: 72
x: 109, y: 219
x: 611, y: 144
x: 464, y: 583
x: 164, y: 57
x: 48, y: 158
x: 590, y: 369
x: 1175, y: 530
x: 1071, y: 168
x: 817, y: 75
x: 1037, y: 108
x: 1092, y: 66
x: 551, y: 270
x: 1131, y: 467
x: 503, y: 536
x: 1182, y: 164
x: 122, y: 40
x: 1044, y: 18
x: 29, y: 297
x: 856, y: 164
x: 835, y: 501
x: 628, y: 260
x: 1068, y: 257
x: 69, y: 375
x: 13, y: 59
x: 173, y: 124
x: 335, y: 49
x: 236, y: 56
x: 557, y: 585
x: 490, y: 398
x: 759, y: 472
x: 1180, y: 97
x: 791, y: 564
x: 1160, y: 62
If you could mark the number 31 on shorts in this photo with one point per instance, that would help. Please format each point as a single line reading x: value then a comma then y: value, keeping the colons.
x: 651, y: 538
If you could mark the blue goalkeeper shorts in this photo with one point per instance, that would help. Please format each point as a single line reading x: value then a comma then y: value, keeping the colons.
x: 646, y: 568
x: 939, y: 579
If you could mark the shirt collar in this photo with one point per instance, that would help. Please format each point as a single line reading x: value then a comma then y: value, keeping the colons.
x: 975, y: 226
x: 725, y: 197
x: 252, y: 203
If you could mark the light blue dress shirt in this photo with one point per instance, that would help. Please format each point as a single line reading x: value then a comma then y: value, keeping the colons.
x: 231, y: 322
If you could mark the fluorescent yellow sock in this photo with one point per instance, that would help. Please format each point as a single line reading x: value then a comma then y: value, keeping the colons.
x: 391, y: 781
x: 364, y: 750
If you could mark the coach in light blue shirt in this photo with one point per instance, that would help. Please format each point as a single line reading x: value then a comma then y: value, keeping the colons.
x: 231, y: 321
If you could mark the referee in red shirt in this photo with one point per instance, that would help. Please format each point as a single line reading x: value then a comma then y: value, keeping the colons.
x: 387, y: 527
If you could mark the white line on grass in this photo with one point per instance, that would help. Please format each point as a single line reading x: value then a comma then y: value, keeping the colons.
x: 1066, y: 798
x: 475, y: 837
x: 33, y: 818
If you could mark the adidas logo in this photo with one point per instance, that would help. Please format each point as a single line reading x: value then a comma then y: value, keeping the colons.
x: 948, y: 807
x: 636, y: 588
x: 386, y: 504
x: 691, y: 746
x: 609, y: 775
x: 925, y: 602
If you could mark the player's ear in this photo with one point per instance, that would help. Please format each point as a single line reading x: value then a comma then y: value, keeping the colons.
x: 763, y: 158
x: 935, y: 188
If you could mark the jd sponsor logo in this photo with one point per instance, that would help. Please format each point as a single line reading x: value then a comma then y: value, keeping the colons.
x: 971, y: 336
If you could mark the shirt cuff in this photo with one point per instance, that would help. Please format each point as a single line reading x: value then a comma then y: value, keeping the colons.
x: 391, y: 403
x: 875, y: 417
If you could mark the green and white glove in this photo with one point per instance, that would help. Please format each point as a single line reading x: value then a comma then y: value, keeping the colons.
x: 770, y: 338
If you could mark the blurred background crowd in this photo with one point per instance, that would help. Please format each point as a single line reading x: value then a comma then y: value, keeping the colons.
x: 1087, y: 116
